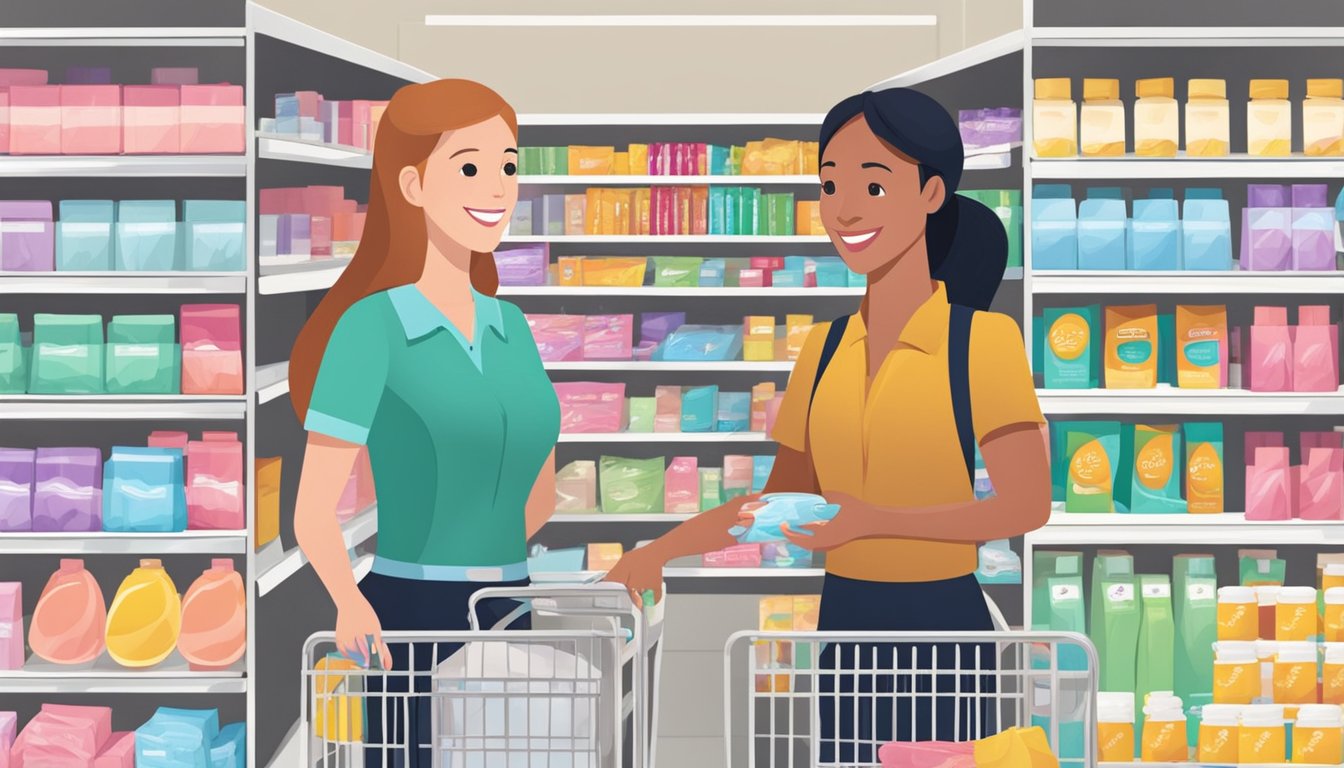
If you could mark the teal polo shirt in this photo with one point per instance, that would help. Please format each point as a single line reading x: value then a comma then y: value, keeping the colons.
x: 457, y: 429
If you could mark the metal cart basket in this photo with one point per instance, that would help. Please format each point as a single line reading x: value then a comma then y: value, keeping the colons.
x: 578, y: 690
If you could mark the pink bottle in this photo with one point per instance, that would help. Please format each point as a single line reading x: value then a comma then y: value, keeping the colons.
x: 214, y: 618
x: 215, y: 483
x: 71, y: 615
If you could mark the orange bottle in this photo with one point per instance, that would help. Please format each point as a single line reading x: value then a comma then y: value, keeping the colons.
x: 214, y: 618
x: 67, y: 626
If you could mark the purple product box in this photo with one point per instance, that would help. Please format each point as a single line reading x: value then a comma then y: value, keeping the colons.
x: 1313, y: 228
x: 657, y: 326
x: 88, y: 76
x: 1267, y: 229
x: 523, y: 266
x: 16, y: 489
x: 294, y: 235
x: 68, y: 490
x: 27, y: 236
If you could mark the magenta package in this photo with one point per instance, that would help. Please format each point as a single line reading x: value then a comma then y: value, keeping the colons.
x: 559, y: 338
x: 590, y: 406
x: 609, y: 337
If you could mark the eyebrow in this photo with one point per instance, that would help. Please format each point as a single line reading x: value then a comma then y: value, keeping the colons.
x: 876, y: 165
x: 463, y: 151
x: 828, y: 164
x: 512, y: 149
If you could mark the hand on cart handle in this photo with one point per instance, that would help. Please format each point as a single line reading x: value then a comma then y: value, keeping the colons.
x: 641, y: 571
x: 359, y: 634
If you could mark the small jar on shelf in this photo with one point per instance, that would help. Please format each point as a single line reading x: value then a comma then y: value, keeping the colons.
x: 1207, y: 119
x: 1323, y: 118
x: 1054, y: 118
x: 1269, y: 119
x: 1102, y: 128
x: 1156, y: 118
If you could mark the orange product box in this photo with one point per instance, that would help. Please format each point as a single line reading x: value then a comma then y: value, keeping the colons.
x: 603, y: 556
x: 570, y: 271
x: 591, y: 161
x: 576, y: 214
x: 700, y: 210
x: 643, y: 196
x: 761, y: 395
x: 592, y: 219
x: 639, y: 159
x: 621, y: 164
x: 807, y: 219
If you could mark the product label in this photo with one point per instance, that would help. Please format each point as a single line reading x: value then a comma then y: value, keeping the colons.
x: 1205, y: 471
x: 1065, y: 592
x: 1069, y: 337
x: 1120, y: 593
x: 1091, y: 466
x: 1134, y: 352
x: 6, y: 630
x: 1157, y: 590
x: 1200, y: 592
x: 1153, y: 465
x: 1203, y: 354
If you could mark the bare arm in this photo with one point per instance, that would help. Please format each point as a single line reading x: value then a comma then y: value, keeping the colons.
x: 327, y: 463
x: 541, y: 502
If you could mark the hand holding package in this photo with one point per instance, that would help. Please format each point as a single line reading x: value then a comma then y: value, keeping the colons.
x: 797, y: 509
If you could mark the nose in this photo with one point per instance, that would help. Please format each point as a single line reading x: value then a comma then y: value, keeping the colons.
x: 849, y: 222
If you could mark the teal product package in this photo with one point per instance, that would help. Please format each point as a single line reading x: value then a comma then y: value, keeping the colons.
x: 832, y: 274
x: 700, y: 409
x: 1115, y: 619
x: 1059, y: 456
x: 642, y: 413
x: 1054, y: 234
x: 13, y: 357
x: 1093, y: 459
x: 1203, y: 193
x: 1195, y: 611
x: 631, y: 486
x: 717, y: 157
x: 1101, y: 235
x: 712, y: 272
x: 1166, y: 348
x: 1073, y: 354
x: 67, y: 356
x: 734, y: 412
x: 794, y: 509
x: 1052, y: 192
x: 1162, y: 193
x: 144, y: 491
x: 215, y: 235
x: 702, y: 343
x: 1068, y: 613
x: 229, y: 749
x: 1104, y: 193
x: 718, y: 211
x: 147, y: 236
x: 84, y: 236
x: 1155, y: 236
x: 761, y: 467
x: 1155, y: 670
x: 1150, y: 477
x: 1047, y: 565
x: 677, y: 271
x: 142, y: 356
x: 788, y: 278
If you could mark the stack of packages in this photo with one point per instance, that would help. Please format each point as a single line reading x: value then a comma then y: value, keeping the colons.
x: 767, y: 157
x: 531, y: 266
x: 297, y: 224
x: 785, y: 613
x: 306, y: 115
x: 680, y: 485
x: 602, y: 408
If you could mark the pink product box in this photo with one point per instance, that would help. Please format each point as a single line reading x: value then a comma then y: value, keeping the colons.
x: 667, y: 409
x: 1321, y: 485
x: 215, y: 483
x: 151, y: 120
x: 736, y: 556
x: 588, y: 407
x: 12, y: 77
x: 212, y: 119
x: 4, y: 121
x: 609, y: 337
x: 1271, y: 358
x: 118, y: 753
x: 927, y: 754
x: 212, y: 358
x: 737, y: 471
x: 559, y: 338
x: 35, y: 119
x: 64, y: 735
x: 681, y: 486
x: 174, y: 76
x: 528, y: 265
x: 1315, y: 347
x: 11, y: 625
x: 91, y: 119
x: 361, y: 123
x: 163, y: 439
x: 9, y: 729
x: 752, y: 278
x: 1269, y: 492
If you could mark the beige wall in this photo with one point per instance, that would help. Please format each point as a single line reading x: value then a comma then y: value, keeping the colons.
x: 700, y: 69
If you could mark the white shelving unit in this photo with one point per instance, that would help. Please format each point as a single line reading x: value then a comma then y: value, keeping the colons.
x: 187, y: 542
x: 105, y: 676
x: 1192, y: 402
x: 1102, y: 282
x: 276, y: 565
x: 121, y: 283
x: 125, y: 166
x: 1156, y: 169
x: 123, y: 407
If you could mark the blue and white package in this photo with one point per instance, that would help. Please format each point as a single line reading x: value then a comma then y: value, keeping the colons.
x: 1155, y: 236
x: 1054, y: 234
x: 215, y: 235
x: 1206, y: 235
x: 734, y: 412
x: 1101, y: 234
x: 84, y: 236
x: 761, y: 467
x: 796, y: 509
x: 177, y: 738
x: 712, y: 272
x: 144, y: 491
x: 701, y: 343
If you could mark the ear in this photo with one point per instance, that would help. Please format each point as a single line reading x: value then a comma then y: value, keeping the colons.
x: 411, y: 187
x: 934, y: 194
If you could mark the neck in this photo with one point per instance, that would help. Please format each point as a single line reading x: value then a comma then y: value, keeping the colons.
x: 447, y: 274
x: 896, y: 291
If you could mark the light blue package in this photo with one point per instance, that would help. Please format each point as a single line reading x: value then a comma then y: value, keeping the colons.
x: 215, y: 235
x: 1105, y: 193
x: 788, y: 278
x: 856, y: 280
x: 177, y: 738
x: 229, y: 749
x: 147, y: 236
x: 1054, y: 234
x: 84, y: 236
x: 1206, y: 235
x: 712, y: 272
x: 144, y: 491
x: 761, y: 467
x: 701, y: 343
x: 999, y: 564
x: 1162, y: 193
x: 796, y: 509
x: 1101, y: 234
x: 1052, y: 192
x: 1203, y: 193
x: 1155, y: 236
x: 799, y: 263
x: 832, y: 274
x: 700, y: 409
x: 734, y: 412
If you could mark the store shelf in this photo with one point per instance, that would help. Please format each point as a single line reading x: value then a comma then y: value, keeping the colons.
x: 743, y: 573
x: 599, y: 518
x: 636, y: 366
x: 184, y: 542
x: 988, y: 162
x: 275, y: 566
x: 122, y: 166
x: 264, y: 21
x: 122, y: 283
x: 976, y: 55
x: 1178, y: 529
x: 1156, y: 168
x: 672, y: 239
x: 716, y: 20
x: 275, y: 147
x: 1101, y: 282
x: 664, y: 437
x: 689, y: 293
x: 628, y: 180
x: 272, y: 382
x: 105, y: 676
x: 316, y: 275
x: 137, y: 37
x: 1173, y: 400
x: 661, y: 119
x: 1187, y: 37
x: 122, y: 407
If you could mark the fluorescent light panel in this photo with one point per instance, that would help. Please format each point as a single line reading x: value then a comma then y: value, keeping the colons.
x: 651, y: 20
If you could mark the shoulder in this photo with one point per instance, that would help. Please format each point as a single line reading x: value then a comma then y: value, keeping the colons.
x: 994, y: 328
x: 512, y: 316
x: 371, y: 315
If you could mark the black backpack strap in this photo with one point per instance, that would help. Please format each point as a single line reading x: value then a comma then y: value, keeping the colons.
x: 959, y: 376
x: 833, y: 336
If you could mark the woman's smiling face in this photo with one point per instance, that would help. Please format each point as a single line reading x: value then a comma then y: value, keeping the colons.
x: 871, y: 202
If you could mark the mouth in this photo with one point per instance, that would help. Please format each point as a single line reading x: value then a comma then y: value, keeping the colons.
x: 486, y: 217
x: 857, y: 241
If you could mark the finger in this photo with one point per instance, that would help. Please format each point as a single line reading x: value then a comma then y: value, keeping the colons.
x: 362, y: 648
x: 800, y: 540
x: 817, y: 526
x: 384, y: 655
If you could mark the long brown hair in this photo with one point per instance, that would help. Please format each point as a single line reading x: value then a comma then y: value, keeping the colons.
x: 392, y: 249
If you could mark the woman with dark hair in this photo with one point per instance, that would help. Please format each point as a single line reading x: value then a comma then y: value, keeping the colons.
x: 882, y: 416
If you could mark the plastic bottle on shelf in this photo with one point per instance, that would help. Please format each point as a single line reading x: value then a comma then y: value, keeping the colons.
x: 214, y: 618
x: 1318, y: 735
x: 1332, y: 623
x: 1332, y: 674
x: 1054, y: 118
x: 145, y: 618
x: 1157, y: 118
x: 68, y: 623
x: 1236, y: 673
x: 1115, y: 727
x: 1207, y: 119
x: 1101, y: 132
x: 1218, y: 733
x: 1295, y: 673
x: 1323, y: 118
x: 1295, y: 615
x: 1263, y: 738
x: 1269, y: 119
x: 1238, y: 614
x: 1164, y: 730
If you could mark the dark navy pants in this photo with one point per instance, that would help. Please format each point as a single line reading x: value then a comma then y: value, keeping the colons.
x: 861, y: 712
x: 424, y: 607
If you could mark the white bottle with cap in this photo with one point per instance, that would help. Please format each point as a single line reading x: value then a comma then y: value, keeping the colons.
x: 1318, y: 735
x: 1263, y: 738
x: 1115, y: 727
x: 1218, y: 733
x: 1164, y: 729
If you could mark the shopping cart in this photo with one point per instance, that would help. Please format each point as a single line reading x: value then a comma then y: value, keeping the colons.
x: 578, y: 690
x: 796, y: 699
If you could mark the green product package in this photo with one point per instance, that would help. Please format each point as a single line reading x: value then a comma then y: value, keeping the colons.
x: 1068, y: 613
x: 1154, y: 668
x: 735, y: 156
x: 711, y: 488
x: 555, y: 161
x: 67, y: 356
x: 631, y: 486
x: 13, y: 357
x: 142, y: 358
x: 1092, y: 460
x: 778, y: 210
x: 1262, y: 572
x: 749, y: 215
x: 529, y: 161
x: 1071, y: 346
x: 1114, y: 626
x: 1149, y: 481
x: 1194, y: 715
x: 1048, y: 564
x: 677, y: 271
x: 1195, y: 610
x: 642, y: 412
x: 1166, y: 348
x: 700, y: 409
x: 1059, y: 457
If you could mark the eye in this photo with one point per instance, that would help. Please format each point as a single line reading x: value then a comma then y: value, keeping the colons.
x: 510, y: 169
x: 469, y: 170
x: 876, y: 190
x: 828, y: 187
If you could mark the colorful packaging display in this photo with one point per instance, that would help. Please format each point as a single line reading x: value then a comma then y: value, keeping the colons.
x: 297, y: 224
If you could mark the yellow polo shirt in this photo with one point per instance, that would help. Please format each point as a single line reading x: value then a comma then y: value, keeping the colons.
x: 894, y: 444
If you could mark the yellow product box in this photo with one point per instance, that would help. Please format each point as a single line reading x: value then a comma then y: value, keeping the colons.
x: 759, y: 326
x: 639, y: 159
x: 571, y: 271
x: 615, y: 272
x: 339, y: 707
x: 621, y: 164
x: 811, y: 158
x: 771, y: 157
x: 641, y: 226
x: 776, y: 615
x: 796, y: 329
x: 268, y: 500
x: 760, y: 350
x: 591, y: 161
x: 592, y: 211
x: 807, y: 218
x: 603, y: 557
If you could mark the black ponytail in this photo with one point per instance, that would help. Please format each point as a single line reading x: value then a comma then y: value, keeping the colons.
x: 968, y: 248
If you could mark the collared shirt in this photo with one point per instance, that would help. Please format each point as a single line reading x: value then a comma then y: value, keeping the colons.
x: 894, y: 443
x: 457, y: 429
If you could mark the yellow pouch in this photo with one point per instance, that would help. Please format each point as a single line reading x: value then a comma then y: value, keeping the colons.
x: 811, y: 158
x: 640, y: 225
x: 1015, y: 748
x: 614, y: 272
x: 591, y: 161
x: 639, y: 159
x: 268, y: 500
x: 796, y: 329
x: 1131, y: 347
x: 771, y: 157
x: 592, y: 211
x: 1201, y: 338
x: 339, y: 710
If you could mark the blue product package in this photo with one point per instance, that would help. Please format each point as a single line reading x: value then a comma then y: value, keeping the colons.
x: 177, y: 738
x: 717, y: 217
x: 147, y: 235
x: 1101, y: 234
x: 229, y: 749
x: 761, y: 467
x: 84, y: 236
x: 799, y: 263
x: 734, y: 412
x: 702, y: 343
x: 712, y: 273
x: 717, y: 156
x: 287, y: 114
x: 857, y: 281
x: 1052, y: 192
x: 1105, y: 193
x: 1155, y: 236
x: 1203, y: 193
x: 787, y: 278
x: 1054, y: 234
x: 700, y: 409
x: 1206, y: 235
x: 215, y: 235
x: 832, y: 274
x: 1161, y: 193
x: 144, y: 491
x: 796, y: 509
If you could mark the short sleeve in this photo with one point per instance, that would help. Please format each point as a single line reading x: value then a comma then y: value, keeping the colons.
x: 352, y: 377
x: 791, y: 422
x: 1003, y: 391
